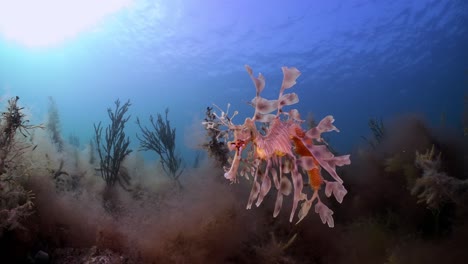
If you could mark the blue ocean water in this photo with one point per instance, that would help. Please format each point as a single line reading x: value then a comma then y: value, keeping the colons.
x: 359, y: 60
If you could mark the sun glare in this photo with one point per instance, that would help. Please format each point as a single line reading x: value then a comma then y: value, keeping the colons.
x: 50, y: 22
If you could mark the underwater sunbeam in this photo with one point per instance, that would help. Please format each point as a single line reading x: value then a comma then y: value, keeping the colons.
x: 50, y: 22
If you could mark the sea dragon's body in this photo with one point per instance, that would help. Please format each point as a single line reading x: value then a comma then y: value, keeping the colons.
x: 284, y: 148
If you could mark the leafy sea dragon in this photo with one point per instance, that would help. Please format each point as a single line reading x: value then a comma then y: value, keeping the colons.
x: 283, y: 148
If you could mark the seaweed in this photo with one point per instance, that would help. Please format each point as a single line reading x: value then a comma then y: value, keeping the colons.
x: 92, y: 152
x: 216, y: 145
x: 161, y: 139
x: 378, y: 132
x: 53, y: 125
x: 465, y: 116
x: 435, y: 187
x: 15, y: 201
x: 13, y: 121
x: 114, y: 149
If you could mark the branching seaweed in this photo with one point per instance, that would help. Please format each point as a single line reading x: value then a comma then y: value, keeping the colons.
x: 465, y: 117
x: 53, y: 125
x: 435, y: 187
x: 15, y: 202
x: 114, y: 149
x: 161, y: 139
x: 92, y: 154
x: 216, y: 145
x: 12, y: 122
x: 378, y: 132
